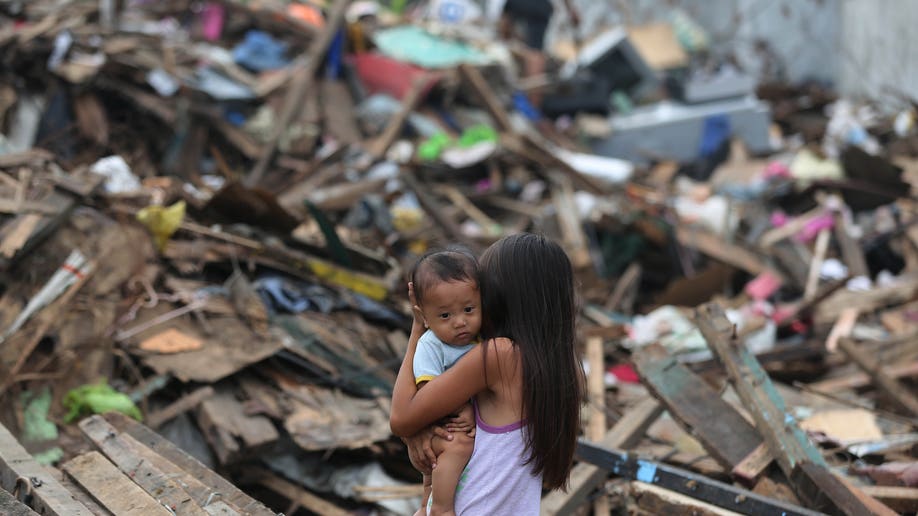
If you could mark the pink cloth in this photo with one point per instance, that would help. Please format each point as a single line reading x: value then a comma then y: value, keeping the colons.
x: 763, y: 286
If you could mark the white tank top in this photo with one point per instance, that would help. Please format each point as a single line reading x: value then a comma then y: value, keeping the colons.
x: 495, y: 481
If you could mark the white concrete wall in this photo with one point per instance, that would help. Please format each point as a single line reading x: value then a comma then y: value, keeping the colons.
x: 861, y: 47
x: 879, y: 47
x: 802, y: 34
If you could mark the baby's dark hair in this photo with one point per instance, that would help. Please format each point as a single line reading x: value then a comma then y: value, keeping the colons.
x: 454, y: 263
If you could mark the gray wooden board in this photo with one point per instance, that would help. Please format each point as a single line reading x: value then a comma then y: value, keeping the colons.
x: 49, y: 496
x: 110, y: 487
x: 723, y: 432
x: 199, y: 492
x: 153, y: 480
x: 231, y: 494
x: 10, y: 506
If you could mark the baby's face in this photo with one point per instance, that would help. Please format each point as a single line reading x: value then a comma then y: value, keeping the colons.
x: 452, y: 310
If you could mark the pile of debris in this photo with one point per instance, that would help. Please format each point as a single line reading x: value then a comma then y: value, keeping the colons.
x: 206, y: 213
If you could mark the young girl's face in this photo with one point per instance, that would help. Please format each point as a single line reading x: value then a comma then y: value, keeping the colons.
x: 452, y: 310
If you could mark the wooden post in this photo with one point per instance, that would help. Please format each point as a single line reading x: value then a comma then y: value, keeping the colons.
x: 597, y: 394
x: 819, y: 256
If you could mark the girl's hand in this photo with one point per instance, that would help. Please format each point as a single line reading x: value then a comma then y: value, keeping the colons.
x: 420, y: 450
x: 418, y: 321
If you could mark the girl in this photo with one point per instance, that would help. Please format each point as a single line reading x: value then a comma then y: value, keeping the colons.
x: 525, y: 380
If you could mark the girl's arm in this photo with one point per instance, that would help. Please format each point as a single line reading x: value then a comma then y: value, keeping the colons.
x: 414, y: 409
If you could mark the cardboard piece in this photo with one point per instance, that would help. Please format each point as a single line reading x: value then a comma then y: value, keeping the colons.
x: 171, y: 341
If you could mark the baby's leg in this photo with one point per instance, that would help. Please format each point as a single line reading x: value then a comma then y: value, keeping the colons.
x: 452, y: 456
x: 428, y: 486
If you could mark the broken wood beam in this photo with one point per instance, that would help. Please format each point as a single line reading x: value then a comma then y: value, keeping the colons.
x: 626, y: 285
x: 303, y: 81
x: 883, y: 381
x: 434, y: 209
x: 701, y: 411
x: 800, y: 461
x: 584, y: 478
x: 180, y: 406
x: 20, y: 472
x: 685, y: 482
x: 298, y: 494
x: 752, y: 465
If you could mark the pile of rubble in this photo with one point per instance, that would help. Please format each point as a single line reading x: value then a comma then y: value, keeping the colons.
x: 206, y: 213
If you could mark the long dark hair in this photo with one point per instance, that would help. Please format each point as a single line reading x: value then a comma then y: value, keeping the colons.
x: 527, y: 296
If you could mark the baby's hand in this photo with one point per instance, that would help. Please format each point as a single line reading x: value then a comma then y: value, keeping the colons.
x: 464, y: 421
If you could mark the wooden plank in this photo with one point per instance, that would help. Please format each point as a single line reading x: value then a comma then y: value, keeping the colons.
x: 49, y: 497
x: 900, y: 499
x: 584, y: 478
x: 657, y: 500
x: 870, y: 365
x: 23, y: 227
x: 575, y: 240
x: 627, y: 284
x: 231, y: 494
x: 858, y: 380
x: 202, y: 494
x: 800, y: 461
x: 10, y: 506
x: 716, y: 424
x: 146, y: 475
x: 300, y: 495
x: 748, y: 469
x: 303, y: 81
x: 338, y: 112
x: 819, y: 255
x: 110, y: 487
x: 851, y: 250
x: 732, y: 254
x: 179, y: 406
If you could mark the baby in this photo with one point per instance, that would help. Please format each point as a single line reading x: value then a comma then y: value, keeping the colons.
x: 445, y: 287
